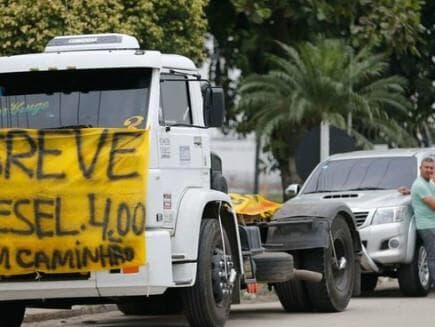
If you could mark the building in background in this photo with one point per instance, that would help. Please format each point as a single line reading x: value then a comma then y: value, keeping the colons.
x: 238, y: 160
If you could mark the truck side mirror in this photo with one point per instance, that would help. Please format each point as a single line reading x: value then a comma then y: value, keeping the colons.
x: 214, y: 106
x: 292, y: 190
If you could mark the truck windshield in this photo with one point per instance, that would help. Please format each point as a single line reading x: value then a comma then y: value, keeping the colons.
x: 363, y: 174
x: 56, y: 99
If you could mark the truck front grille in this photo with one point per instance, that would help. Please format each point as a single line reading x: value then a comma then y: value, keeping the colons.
x: 360, y: 217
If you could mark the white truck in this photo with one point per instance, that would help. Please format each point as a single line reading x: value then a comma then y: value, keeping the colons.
x: 198, y: 257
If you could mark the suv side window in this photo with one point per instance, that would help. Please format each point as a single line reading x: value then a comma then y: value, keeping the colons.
x: 175, y: 107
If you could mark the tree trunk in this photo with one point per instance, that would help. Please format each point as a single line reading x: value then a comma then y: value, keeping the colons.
x: 283, y: 146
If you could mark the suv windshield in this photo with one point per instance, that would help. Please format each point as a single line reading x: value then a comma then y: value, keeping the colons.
x: 53, y: 99
x: 363, y: 174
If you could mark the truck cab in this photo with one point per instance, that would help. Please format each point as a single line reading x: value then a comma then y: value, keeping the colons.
x: 105, y: 81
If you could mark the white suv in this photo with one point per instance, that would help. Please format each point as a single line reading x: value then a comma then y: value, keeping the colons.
x: 368, y: 182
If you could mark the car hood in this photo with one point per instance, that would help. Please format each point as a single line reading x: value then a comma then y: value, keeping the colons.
x: 358, y: 199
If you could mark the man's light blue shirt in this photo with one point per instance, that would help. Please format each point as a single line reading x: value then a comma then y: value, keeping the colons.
x: 424, y: 215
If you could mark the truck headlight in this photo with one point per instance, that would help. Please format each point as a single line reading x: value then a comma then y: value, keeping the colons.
x: 390, y: 215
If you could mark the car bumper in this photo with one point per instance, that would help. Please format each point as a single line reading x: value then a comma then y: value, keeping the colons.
x: 386, y: 244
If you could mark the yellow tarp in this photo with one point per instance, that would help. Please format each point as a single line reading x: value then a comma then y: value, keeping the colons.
x: 72, y: 200
x: 253, y: 205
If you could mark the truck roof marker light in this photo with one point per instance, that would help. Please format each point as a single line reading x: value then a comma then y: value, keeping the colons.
x: 130, y: 270
x: 92, y: 42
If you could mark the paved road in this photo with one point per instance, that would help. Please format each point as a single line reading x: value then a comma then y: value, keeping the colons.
x: 383, y: 308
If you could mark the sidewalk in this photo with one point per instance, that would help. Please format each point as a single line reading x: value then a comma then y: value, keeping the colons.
x: 36, y: 314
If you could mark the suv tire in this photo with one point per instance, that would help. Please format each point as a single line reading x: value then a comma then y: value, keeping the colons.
x: 333, y: 293
x: 414, y: 278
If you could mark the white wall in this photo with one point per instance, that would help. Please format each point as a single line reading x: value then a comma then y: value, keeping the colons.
x: 238, y: 160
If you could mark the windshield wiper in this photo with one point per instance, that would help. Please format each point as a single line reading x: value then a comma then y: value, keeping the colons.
x: 321, y: 191
x: 184, y: 125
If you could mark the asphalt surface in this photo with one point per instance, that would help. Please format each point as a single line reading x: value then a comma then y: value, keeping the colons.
x: 385, y: 307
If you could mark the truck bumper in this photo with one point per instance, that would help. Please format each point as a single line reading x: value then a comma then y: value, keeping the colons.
x: 153, y: 278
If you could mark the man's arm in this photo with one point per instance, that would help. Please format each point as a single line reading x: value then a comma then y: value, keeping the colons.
x: 429, y: 201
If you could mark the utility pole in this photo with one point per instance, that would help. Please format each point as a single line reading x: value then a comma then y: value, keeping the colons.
x: 324, y: 140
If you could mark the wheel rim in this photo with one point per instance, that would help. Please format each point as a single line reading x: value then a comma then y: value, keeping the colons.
x: 423, y: 267
x: 340, y: 275
x: 222, y: 289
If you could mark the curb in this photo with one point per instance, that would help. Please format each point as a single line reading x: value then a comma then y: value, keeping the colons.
x: 36, y: 315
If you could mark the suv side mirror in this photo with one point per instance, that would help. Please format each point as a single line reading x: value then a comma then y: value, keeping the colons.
x: 292, y: 190
x: 214, y: 106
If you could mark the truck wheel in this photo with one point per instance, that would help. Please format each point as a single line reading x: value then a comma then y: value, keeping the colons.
x: 11, y: 314
x: 368, y: 282
x: 207, y: 302
x: 333, y: 293
x: 292, y: 293
x: 414, y: 278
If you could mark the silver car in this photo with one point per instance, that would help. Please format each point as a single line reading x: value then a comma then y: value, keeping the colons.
x: 368, y: 182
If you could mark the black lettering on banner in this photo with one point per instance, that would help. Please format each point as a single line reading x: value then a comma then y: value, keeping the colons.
x: 40, y: 215
x: 103, y: 256
x: 79, y: 258
x: 14, y: 158
x: 19, y: 258
x: 62, y: 259
x: 89, y: 170
x: 92, y: 256
x: 5, y: 212
x: 114, y: 151
x: 139, y: 215
x: 5, y: 259
x: 42, y: 152
x: 104, y: 224
x: 31, y: 228
x: 129, y: 253
x: 57, y: 219
x: 123, y: 211
x: 41, y: 259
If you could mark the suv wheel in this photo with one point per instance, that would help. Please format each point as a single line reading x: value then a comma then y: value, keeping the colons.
x: 414, y: 278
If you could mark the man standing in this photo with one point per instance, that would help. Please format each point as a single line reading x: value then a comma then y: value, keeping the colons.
x: 423, y: 202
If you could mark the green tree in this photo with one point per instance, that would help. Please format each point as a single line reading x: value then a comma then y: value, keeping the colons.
x: 322, y: 81
x: 166, y: 25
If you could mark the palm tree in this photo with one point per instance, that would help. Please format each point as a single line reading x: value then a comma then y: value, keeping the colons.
x: 322, y: 81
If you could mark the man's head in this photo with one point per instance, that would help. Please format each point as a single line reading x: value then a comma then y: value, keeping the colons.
x: 426, y: 168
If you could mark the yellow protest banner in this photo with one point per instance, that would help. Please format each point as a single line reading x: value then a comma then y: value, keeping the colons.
x: 253, y: 205
x: 72, y: 200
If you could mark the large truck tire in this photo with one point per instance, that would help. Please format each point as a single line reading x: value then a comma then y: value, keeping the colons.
x: 334, y: 292
x: 368, y: 283
x: 11, y: 314
x: 292, y: 294
x: 168, y: 303
x: 207, y: 303
x: 414, y: 278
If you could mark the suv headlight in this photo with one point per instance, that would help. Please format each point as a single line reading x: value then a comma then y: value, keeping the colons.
x: 390, y: 215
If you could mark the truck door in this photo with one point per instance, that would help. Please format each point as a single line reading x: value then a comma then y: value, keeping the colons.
x: 180, y: 146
